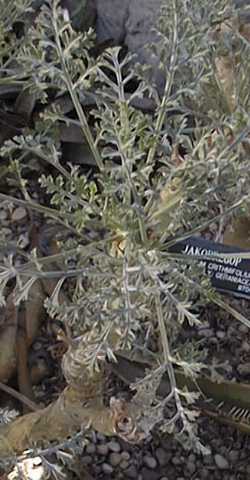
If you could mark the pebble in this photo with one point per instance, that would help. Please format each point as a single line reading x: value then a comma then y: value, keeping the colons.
x: 220, y: 334
x: 208, y: 460
x: 244, y: 368
x: 100, y: 437
x: 102, y: 449
x: 23, y: 240
x: 243, y: 329
x: 106, y: 468
x: 191, y: 467
x: 86, y: 459
x: 6, y: 232
x: 233, y: 455
x: 115, y: 459
x: 131, y: 472
x: 125, y: 455
x: 124, y: 464
x: 3, y: 215
x: 206, y: 332
x: 114, y: 446
x: 245, y: 346
x: 148, y: 474
x: 176, y: 460
x: 221, y: 462
x: 19, y: 214
x: 150, y: 462
x: 205, y: 474
x: 91, y: 448
x: 162, y: 456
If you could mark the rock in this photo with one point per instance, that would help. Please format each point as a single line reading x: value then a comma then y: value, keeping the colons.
x: 3, y: 215
x: 149, y: 474
x: 111, y: 18
x: 23, y: 240
x: 131, y: 472
x: 233, y: 456
x: 243, y: 329
x: 221, y: 462
x: 115, y: 459
x: 205, y: 474
x: 102, y: 449
x: 191, y: 467
x: 245, y: 346
x: 86, y: 459
x: 208, y: 460
x: 124, y: 464
x: 6, y: 232
x: 19, y: 214
x: 162, y: 456
x: 191, y: 457
x: 125, y: 455
x: 114, y: 446
x: 150, y: 462
x: 205, y: 332
x: 176, y: 460
x: 82, y: 13
x: 91, y: 448
x: 106, y: 468
x: 244, y: 368
x: 220, y: 334
x: 131, y: 22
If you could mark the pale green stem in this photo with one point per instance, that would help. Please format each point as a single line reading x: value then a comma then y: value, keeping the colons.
x: 74, y: 97
x: 168, y: 86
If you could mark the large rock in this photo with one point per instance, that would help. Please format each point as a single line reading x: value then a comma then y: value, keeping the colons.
x: 130, y: 22
x: 82, y: 13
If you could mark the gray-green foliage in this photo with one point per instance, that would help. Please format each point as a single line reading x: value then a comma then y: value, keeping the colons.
x: 125, y: 277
